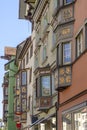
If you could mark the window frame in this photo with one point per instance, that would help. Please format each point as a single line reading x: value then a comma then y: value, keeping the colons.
x: 72, y: 111
x: 65, y: 56
x: 39, y: 92
x: 42, y: 92
x: 24, y: 84
x: 60, y: 54
x: 79, y: 40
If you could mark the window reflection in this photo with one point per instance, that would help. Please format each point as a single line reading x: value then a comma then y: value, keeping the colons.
x: 76, y: 120
x: 45, y: 84
x: 67, y: 122
x: 24, y: 78
x: 80, y: 119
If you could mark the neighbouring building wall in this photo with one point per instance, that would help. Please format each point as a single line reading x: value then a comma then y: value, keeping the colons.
x: 10, y: 117
x: 72, y: 110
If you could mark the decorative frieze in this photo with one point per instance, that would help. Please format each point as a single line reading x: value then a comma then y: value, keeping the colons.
x: 65, y: 77
x: 44, y: 103
x: 64, y: 32
x: 23, y: 117
x: 64, y: 15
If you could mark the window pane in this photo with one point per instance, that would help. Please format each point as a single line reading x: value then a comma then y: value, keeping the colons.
x: 67, y: 52
x: 45, y: 85
x: 24, y: 78
x: 80, y: 119
x: 67, y: 122
x: 69, y: 1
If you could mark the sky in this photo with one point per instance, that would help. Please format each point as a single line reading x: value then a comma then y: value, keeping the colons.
x: 12, y: 32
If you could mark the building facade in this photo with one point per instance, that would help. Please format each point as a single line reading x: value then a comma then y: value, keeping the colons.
x: 70, y: 32
x: 69, y: 35
x: 24, y: 85
x: 8, y: 87
x: 5, y: 99
x: 50, y: 90
x: 45, y: 96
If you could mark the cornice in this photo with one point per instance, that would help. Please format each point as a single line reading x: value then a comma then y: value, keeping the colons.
x: 39, y: 9
x: 25, y: 48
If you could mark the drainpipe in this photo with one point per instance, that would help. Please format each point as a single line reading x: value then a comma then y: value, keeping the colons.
x: 57, y: 109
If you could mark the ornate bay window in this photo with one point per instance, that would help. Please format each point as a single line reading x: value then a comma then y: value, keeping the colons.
x: 43, y: 88
x: 23, y: 95
x: 20, y: 102
x: 17, y: 104
x: 64, y: 66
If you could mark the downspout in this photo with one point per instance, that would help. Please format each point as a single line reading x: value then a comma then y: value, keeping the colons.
x: 57, y: 109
